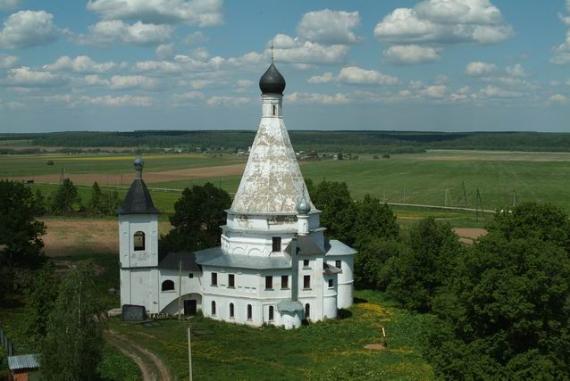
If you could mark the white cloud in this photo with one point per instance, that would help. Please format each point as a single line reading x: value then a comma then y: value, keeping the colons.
x: 104, y: 100
x: 123, y: 82
x: 7, y: 61
x: 411, y: 54
x: 329, y: 27
x: 164, y: 51
x: 492, y: 91
x: 28, y: 28
x: 516, y: 70
x: 109, y: 31
x: 316, y: 98
x: 325, y: 78
x: 95, y: 80
x: 558, y: 99
x: 193, y: 12
x: 357, y: 75
x: 79, y: 64
x: 227, y: 101
x: 25, y: 77
x: 9, y: 4
x: 290, y: 50
x: 434, y: 91
x: 444, y: 21
x: 480, y: 69
x: 562, y: 52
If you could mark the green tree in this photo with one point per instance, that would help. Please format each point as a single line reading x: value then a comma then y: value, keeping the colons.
x: 40, y: 203
x: 20, y: 233
x: 197, y: 218
x: 96, y: 203
x: 370, y: 262
x: 338, y: 211
x: 66, y: 198
x: 416, y: 274
x: 72, y: 347
x: 374, y: 220
x: 41, y: 300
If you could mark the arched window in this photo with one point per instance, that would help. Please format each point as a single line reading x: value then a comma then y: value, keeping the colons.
x: 231, y: 310
x: 138, y: 241
x: 307, y: 311
x: 271, y: 313
x: 167, y: 285
x: 213, y: 308
x: 249, y: 312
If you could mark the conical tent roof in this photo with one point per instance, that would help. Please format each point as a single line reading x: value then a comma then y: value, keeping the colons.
x: 272, y: 181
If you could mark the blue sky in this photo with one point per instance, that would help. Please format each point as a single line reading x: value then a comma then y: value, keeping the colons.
x: 439, y: 65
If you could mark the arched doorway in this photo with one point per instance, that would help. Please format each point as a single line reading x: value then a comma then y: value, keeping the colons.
x: 189, y: 305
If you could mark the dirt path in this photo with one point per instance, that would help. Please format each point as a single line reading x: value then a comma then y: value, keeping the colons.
x: 152, y: 367
x: 470, y: 235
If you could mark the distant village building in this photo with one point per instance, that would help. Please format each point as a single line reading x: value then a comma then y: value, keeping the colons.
x: 24, y: 368
x: 274, y: 265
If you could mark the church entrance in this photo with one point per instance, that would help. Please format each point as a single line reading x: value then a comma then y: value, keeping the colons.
x: 190, y: 307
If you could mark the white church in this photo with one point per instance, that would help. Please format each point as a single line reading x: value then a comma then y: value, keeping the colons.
x: 274, y: 266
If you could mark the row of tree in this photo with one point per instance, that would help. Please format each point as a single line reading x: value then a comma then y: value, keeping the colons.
x: 67, y: 201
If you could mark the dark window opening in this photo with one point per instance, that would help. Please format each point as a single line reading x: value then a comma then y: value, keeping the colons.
x: 271, y: 313
x: 138, y: 240
x: 307, y: 311
x: 276, y: 244
x: 268, y: 282
x: 249, y: 312
x: 167, y: 285
x: 285, y: 281
x: 231, y: 281
x: 214, y: 279
x: 213, y: 307
x: 331, y: 283
x: 274, y: 110
x: 307, y: 281
x: 231, y: 310
x: 306, y: 263
x: 338, y: 264
x: 191, y: 275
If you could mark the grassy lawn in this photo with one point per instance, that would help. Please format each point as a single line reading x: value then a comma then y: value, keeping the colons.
x: 323, y: 351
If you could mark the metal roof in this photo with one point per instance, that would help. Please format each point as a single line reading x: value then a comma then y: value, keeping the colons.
x: 272, y: 82
x: 305, y: 246
x: 172, y: 261
x: 331, y: 270
x: 217, y: 258
x: 138, y: 200
x: 334, y: 247
x: 23, y: 362
x: 289, y: 306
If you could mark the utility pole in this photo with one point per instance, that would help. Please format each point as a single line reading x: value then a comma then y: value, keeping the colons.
x: 464, y: 194
x: 478, y: 204
x: 179, y: 287
x: 189, y: 355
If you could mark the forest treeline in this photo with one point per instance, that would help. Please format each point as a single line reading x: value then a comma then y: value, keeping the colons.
x: 322, y: 141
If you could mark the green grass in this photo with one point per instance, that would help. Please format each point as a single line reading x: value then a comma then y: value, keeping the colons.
x: 328, y: 350
x: 33, y: 165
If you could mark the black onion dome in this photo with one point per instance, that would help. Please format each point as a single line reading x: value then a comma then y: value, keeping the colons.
x: 272, y: 82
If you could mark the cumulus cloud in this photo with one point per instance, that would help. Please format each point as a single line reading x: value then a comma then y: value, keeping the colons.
x: 164, y: 51
x: 492, y: 91
x: 411, y: 54
x: 227, y: 101
x: 480, y: 69
x: 439, y: 23
x: 79, y: 64
x: 7, y: 61
x: 558, y: 99
x: 357, y: 75
x: 9, y: 4
x: 316, y: 98
x: 329, y: 27
x: 109, y: 31
x: 562, y: 52
x: 194, y: 12
x: 516, y: 70
x: 28, y: 28
x: 324, y: 78
x: 294, y: 50
x: 124, y: 82
x: 26, y: 77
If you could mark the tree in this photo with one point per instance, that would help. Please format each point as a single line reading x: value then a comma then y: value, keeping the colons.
x: 20, y: 233
x: 73, y: 343
x: 96, y: 203
x: 197, y: 218
x: 338, y: 212
x: 40, y: 204
x: 416, y: 274
x: 370, y: 262
x: 66, y: 198
x: 41, y: 300
x: 374, y: 220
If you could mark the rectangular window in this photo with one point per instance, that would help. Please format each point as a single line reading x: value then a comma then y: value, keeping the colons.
x: 269, y: 282
x: 276, y: 244
x: 231, y: 281
x: 307, y: 282
x: 285, y: 281
x: 214, y: 279
x: 271, y: 313
x: 338, y: 264
x: 306, y: 263
x: 249, y: 312
x: 331, y: 283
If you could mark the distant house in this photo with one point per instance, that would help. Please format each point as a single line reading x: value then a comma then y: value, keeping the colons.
x: 24, y: 367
